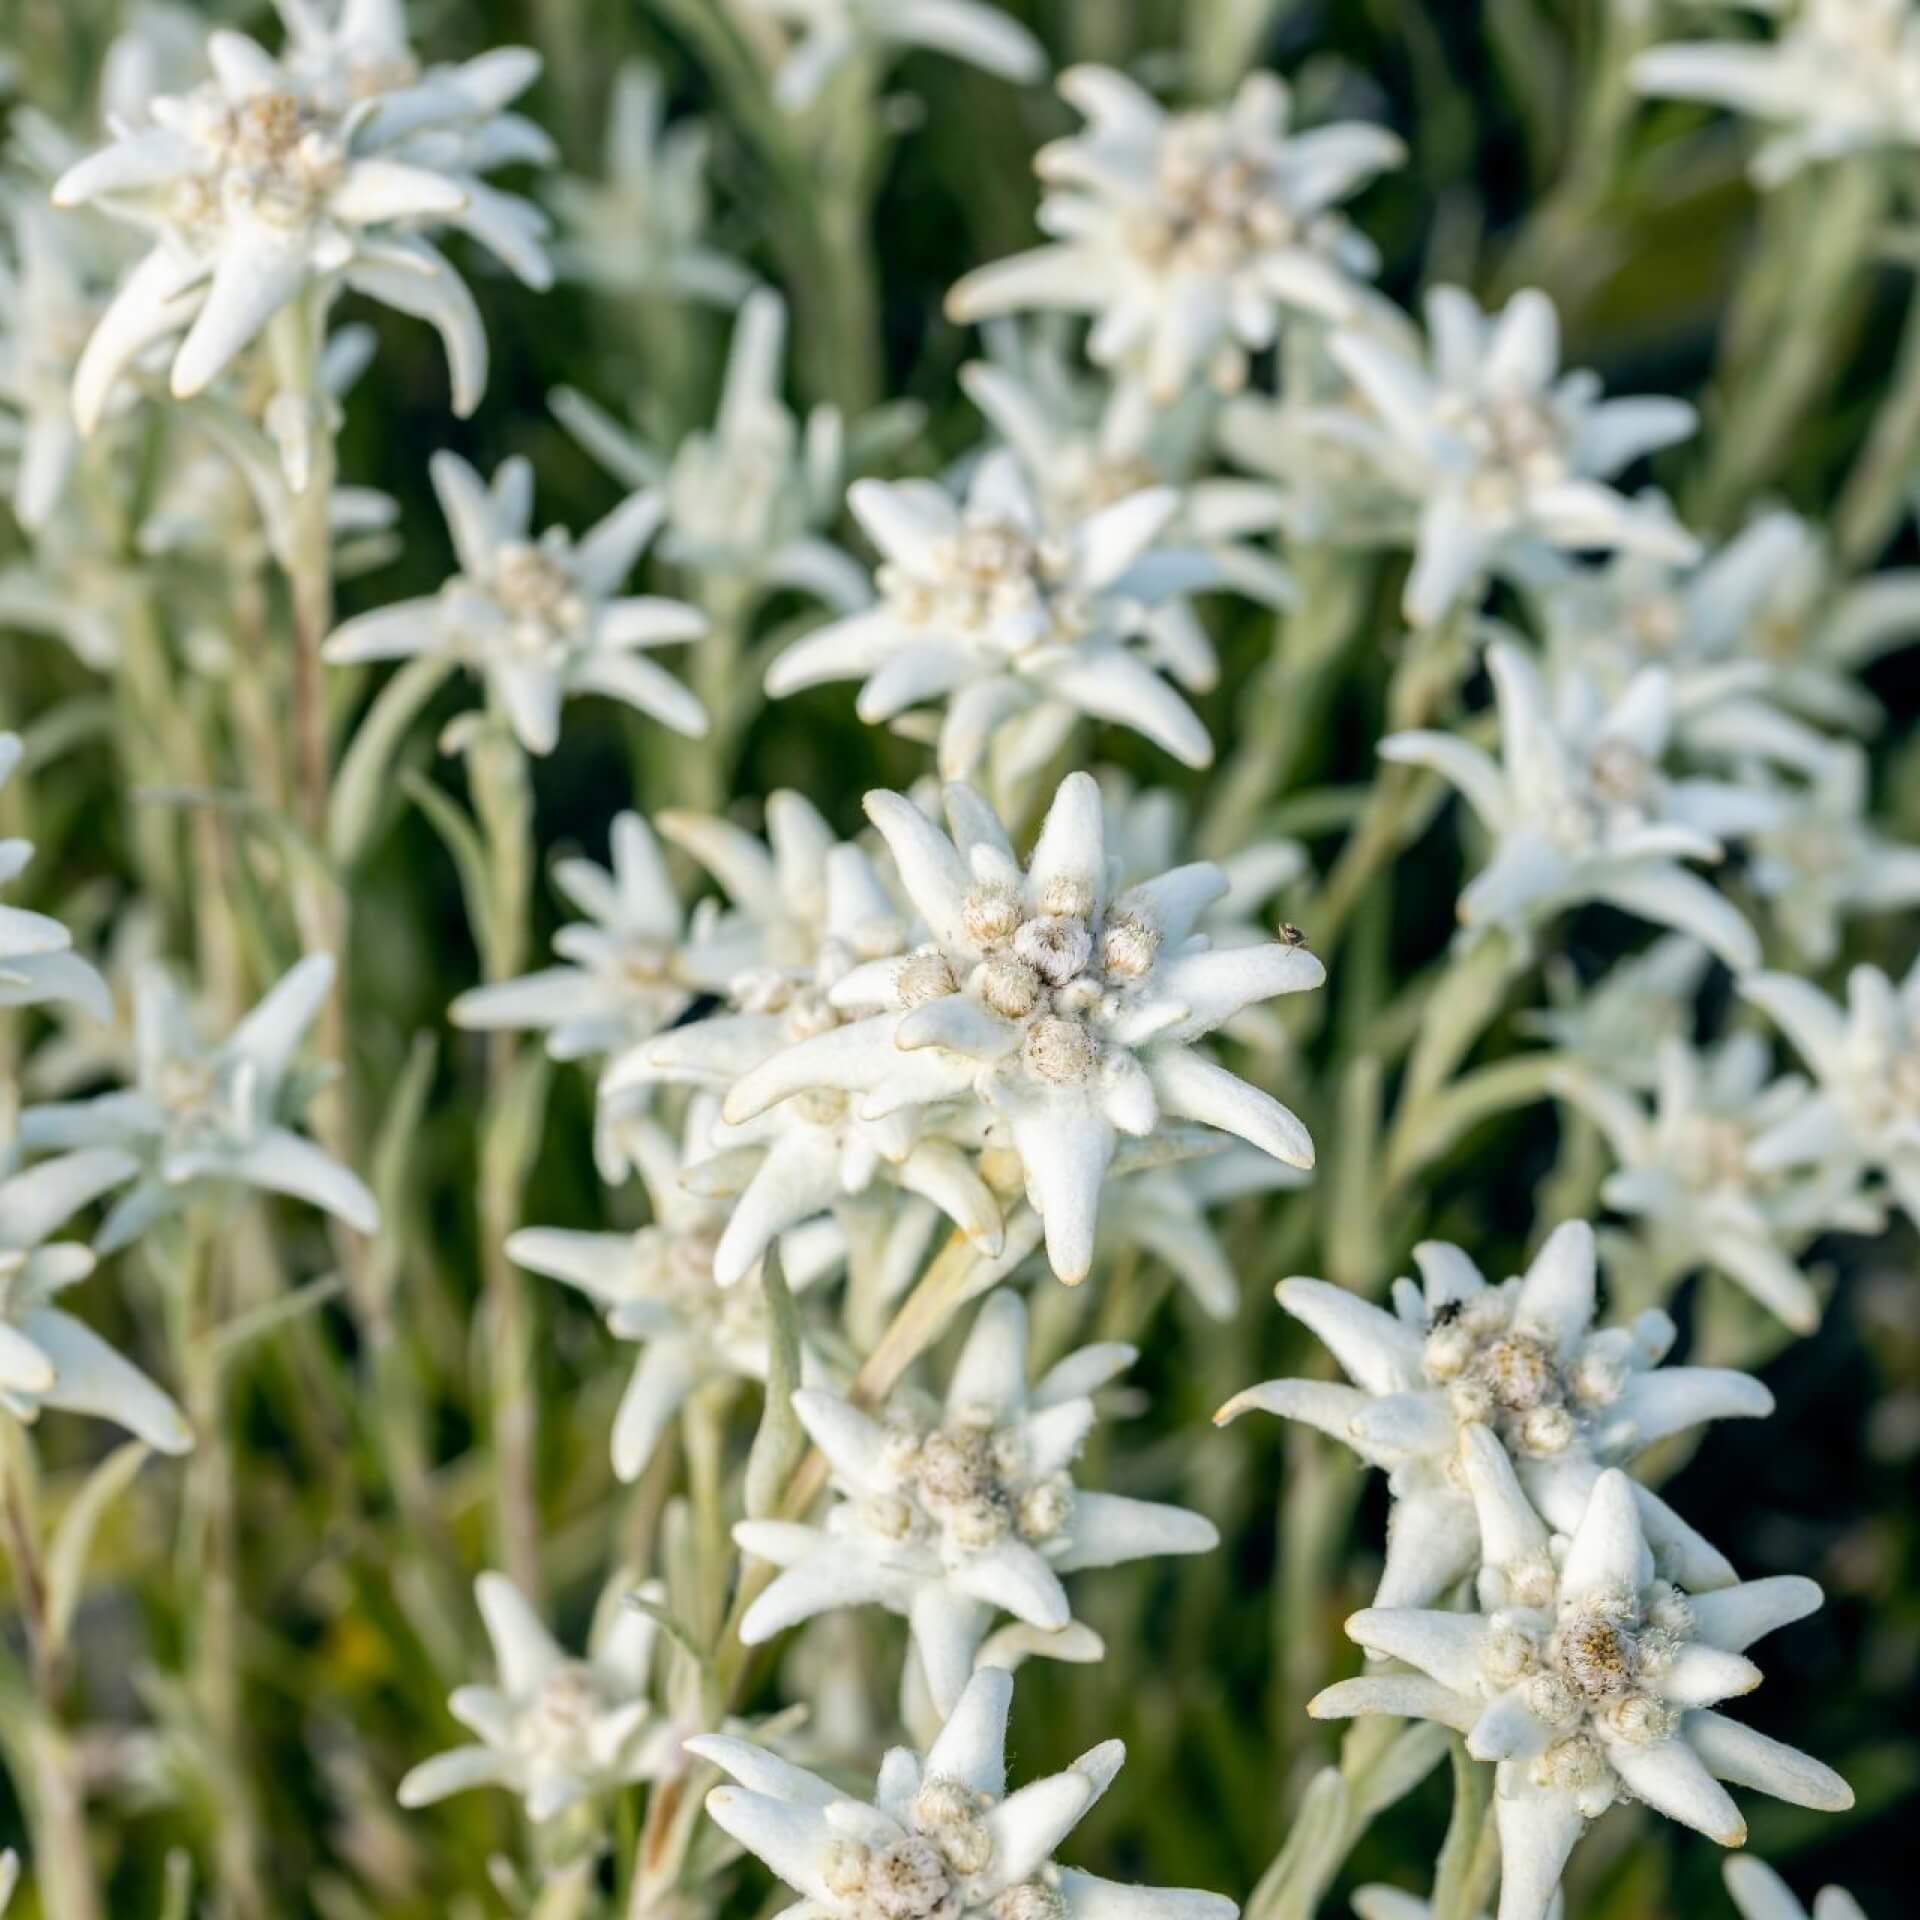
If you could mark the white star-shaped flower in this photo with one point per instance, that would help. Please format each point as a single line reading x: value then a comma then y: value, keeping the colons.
x: 1189, y: 236
x: 269, y: 180
x: 1522, y: 1361
x: 826, y: 913
x: 37, y: 963
x: 555, y: 1729
x: 1070, y: 1008
x: 656, y: 1286
x: 1618, y: 1023
x: 942, y: 1838
x: 1686, y: 1173
x: 1587, y: 1681
x: 829, y: 34
x: 47, y: 1357
x: 1865, y: 1061
x: 538, y: 620
x: 1840, y: 77
x: 200, y: 1117
x: 985, y: 604
x: 949, y: 1516
x: 1580, y: 809
x: 1761, y: 1894
x: 1504, y: 459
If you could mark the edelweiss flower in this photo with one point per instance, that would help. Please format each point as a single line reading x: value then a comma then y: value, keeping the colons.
x: 830, y: 33
x: 1823, y: 861
x: 827, y: 914
x: 270, y: 180
x: 1841, y: 77
x: 36, y: 961
x: 985, y: 604
x: 48, y: 1358
x: 1505, y: 457
x: 641, y: 228
x: 201, y: 1117
x: 1587, y: 1681
x: 1189, y: 235
x: 1580, y: 810
x: 1866, y: 1066
x: 946, y: 1518
x: 555, y: 1730
x: 942, y: 1838
x: 746, y: 502
x: 1761, y: 1894
x: 1520, y: 1361
x: 1686, y: 1171
x: 538, y: 620
x: 1072, y: 1015
x: 656, y: 1286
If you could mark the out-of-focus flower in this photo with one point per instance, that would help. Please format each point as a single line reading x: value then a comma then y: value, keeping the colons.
x: 1686, y: 1173
x: 942, y: 1839
x: 656, y: 1286
x: 1521, y: 1361
x: 36, y: 959
x: 827, y: 913
x: 988, y: 606
x: 1761, y: 1894
x: 202, y: 1117
x: 1071, y: 1014
x: 555, y: 1729
x: 1823, y: 862
x: 746, y: 500
x: 538, y: 620
x: 1618, y: 1024
x: 827, y: 34
x: 1579, y: 808
x: 641, y: 228
x: 1189, y: 236
x: 1504, y: 459
x: 47, y: 1357
x: 949, y: 1517
x: 1865, y: 1061
x: 1587, y: 1681
x: 277, y: 177
x: 1840, y: 77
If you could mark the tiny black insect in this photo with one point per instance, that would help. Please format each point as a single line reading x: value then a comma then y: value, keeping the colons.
x: 1291, y: 936
x: 1445, y: 1314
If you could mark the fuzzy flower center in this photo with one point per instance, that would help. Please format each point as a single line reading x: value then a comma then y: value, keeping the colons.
x: 1518, y: 442
x: 273, y: 157
x: 535, y: 587
x: 994, y: 582
x: 1216, y: 203
x: 556, y: 1725
x: 966, y: 1486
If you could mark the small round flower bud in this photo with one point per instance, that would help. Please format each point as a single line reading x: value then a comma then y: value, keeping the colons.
x: 1448, y: 1353
x: 910, y: 1881
x: 923, y: 977
x: 1521, y: 1373
x: 1009, y: 986
x: 1550, y: 1700
x: 845, y: 1868
x: 1640, y: 1719
x: 888, y: 1515
x: 991, y: 913
x: 1046, y: 1508
x: 1547, y: 1430
x: 1531, y: 1582
x: 1055, y: 946
x: 1128, y: 948
x: 1509, y: 1652
x: 1058, y: 1051
x: 1068, y: 896
x: 1028, y: 1901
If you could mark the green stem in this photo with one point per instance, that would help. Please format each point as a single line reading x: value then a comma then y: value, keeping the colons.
x: 1464, y: 1872
x: 1876, y: 491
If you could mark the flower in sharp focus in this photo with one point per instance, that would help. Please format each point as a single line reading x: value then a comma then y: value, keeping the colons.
x: 748, y: 499
x: 1071, y: 1014
x: 825, y: 912
x: 1761, y: 1894
x: 656, y: 1286
x: 555, y: 1729
x: 1839, y: 77
x: 269, y: 180
x: 1189, y: 236
x: 202, y: 1117
x: 36, y: 959
x: 987, y: 605
x: 1865, y: 1061
x: 1685, y: 1170
x: 950, y: 1516
x: 1823, y: 862
x: 828, y: 34
x: 1521, y: 1361
x: 47, y: 1357
x: 942, y: 1838
x: 641, y: 229
x: 538, y: 620
x: 1579, y: 808
x: 1505, y: 459
x: 1587, y: 1681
